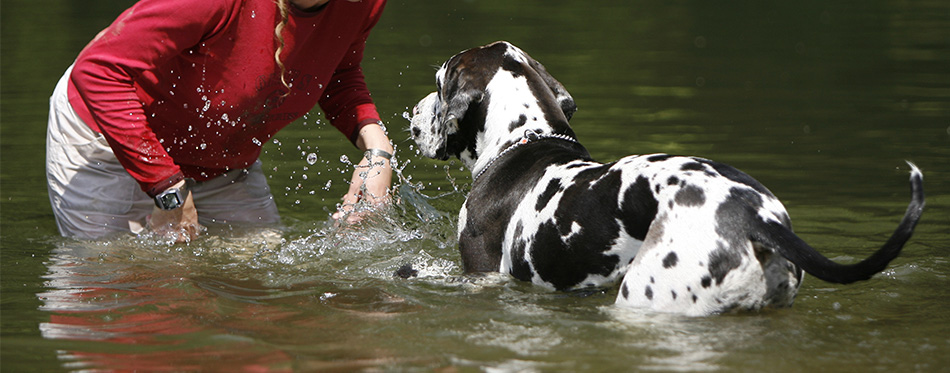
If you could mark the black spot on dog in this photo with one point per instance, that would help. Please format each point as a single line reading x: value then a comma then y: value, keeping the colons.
x: 564, y: 274
x: 416, y: 132
x: 670, y: 260
x: 673, y: 180
x: 648, y: 293
x: 639, y: 208
x: 741, y: 204
x: 652, y: 281
x: 721, y: 262
x: 673, y: 292
x: 690, y: 195
x: 706, y: 281
x: 591, y: 198
x: 659, y: 157
x: 692, y: 166
x: 518, y: 123
x: 553, y: 187
x: 695, y: 298
x: 624, y: 291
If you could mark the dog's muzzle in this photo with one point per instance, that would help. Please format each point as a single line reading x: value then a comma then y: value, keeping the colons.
x: 428, y: 132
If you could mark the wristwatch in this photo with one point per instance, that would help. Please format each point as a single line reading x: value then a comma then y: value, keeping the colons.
x: 173, y: 198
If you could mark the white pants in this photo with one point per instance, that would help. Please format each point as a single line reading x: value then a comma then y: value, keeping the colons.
x: 93, y: 196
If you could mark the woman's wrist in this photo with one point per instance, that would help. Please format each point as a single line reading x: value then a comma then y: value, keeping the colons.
x: 373, y: 136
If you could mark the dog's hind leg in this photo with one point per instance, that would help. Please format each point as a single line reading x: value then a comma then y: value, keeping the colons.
x: 684, y: 268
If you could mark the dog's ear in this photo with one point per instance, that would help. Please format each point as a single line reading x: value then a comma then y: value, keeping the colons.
x: 458, y: 99
x: 564, y: 99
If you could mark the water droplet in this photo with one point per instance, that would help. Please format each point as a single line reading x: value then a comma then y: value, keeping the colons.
x: 203, y: 146
x: 344, y: 159
x: 312, y: 158
x: 256, y: 141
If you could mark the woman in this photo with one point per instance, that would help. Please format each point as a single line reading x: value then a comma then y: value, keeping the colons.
x: 160, y: 121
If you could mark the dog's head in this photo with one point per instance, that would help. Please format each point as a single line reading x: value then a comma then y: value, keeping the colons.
x: 487, y: 98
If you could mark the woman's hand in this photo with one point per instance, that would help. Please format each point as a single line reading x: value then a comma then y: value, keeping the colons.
x: 373, y: 175
x: 180, y: 223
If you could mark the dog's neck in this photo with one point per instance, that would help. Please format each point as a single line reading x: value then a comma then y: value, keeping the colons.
x: 513, y: 110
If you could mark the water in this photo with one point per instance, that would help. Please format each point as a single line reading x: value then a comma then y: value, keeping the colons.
x: 821, y: 102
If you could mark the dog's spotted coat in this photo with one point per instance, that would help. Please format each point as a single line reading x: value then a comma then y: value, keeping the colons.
x: 685, y: 234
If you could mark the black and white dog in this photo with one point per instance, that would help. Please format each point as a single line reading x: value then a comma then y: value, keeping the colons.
x: 686, y: 234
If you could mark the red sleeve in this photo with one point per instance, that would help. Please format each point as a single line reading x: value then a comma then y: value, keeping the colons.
x: 346, y: 101
x: 142, y: 38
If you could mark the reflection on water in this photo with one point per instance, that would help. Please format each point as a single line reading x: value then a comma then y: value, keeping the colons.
x: 324, y: 297
x: 241, y: 300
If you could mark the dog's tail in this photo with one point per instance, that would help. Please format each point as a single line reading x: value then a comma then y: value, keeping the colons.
x: 797, y: 251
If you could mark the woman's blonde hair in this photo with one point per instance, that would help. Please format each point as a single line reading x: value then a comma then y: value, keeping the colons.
x: 284, y: 8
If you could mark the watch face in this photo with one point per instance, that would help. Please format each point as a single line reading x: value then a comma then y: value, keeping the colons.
x: 169, y: 201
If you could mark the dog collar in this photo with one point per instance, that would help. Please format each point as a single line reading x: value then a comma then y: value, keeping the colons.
x: 529, y: 136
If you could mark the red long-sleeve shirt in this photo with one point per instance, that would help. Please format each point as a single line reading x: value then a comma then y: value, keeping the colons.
x: 184, y: 88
